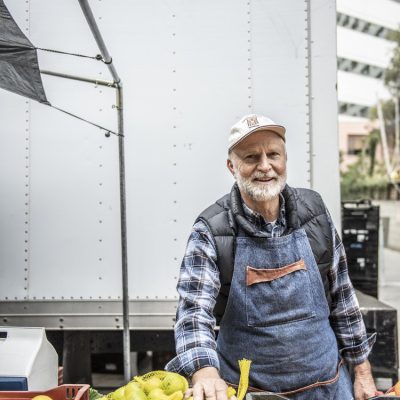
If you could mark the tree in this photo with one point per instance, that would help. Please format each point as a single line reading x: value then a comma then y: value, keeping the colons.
x: 366, y: 177
x: 392, y: 73
x: 371, y: 142
x: 392, y: 81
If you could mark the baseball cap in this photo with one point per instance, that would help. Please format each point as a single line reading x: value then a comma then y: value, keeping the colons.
x: 250, y: 124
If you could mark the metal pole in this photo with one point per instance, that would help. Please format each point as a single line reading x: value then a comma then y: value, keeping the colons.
x: 87, y: 11
x: 396, y: 129
x: 124, y: 252
x: 80, y: 78
x: 310, y: 96
x: 125, y: 294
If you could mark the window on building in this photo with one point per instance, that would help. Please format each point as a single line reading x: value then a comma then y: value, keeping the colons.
x: 342, y: 108
x: 373, y: 71
x: 355, y: 144
x: 364, y: 69
x: 355, y: 110
x: 361, y: 25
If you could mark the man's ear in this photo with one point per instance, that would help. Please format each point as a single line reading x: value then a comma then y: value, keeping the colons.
x: 229, y: 164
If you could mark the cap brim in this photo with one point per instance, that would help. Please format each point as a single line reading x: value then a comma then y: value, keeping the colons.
x: 278, y: 129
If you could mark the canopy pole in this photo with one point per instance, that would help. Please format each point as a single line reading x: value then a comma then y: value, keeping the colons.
x: 80, y: 78
x: 124, y: 247
x: 87, y: 11
x: 124, y: 254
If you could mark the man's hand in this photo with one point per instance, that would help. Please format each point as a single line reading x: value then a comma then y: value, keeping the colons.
x: 207, y: 384
x: 364, y: 385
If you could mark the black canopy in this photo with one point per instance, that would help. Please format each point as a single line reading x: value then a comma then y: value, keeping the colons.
x: 19, y: 68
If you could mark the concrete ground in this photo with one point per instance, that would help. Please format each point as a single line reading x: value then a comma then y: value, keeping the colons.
x: 390, y: 209
x: 389, y: 257
x: 389, y: 282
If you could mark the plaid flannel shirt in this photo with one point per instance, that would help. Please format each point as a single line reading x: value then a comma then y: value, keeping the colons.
x: 199, y: 285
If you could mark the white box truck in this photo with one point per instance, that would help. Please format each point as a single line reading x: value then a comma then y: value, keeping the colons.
x: 190, y: 70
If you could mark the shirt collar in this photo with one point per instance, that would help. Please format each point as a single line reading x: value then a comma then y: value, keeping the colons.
x: 258, y: 220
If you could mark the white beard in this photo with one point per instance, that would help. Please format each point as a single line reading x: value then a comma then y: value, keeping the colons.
x: 260, y: 191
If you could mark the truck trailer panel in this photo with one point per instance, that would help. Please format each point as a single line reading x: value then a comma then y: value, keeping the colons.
x: 190, y: 70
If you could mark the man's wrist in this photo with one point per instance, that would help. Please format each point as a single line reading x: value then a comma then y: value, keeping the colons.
x: 363, y: 368
x: 206, y: 372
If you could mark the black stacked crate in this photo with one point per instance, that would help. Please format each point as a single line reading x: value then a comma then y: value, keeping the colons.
x: 360, y: 234
x: 382, y: 319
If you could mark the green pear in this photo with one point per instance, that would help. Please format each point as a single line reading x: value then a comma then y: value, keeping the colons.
x: 176, y: 396
x: 118, y: 394
x: 173, y: 383
x: 139, y: 395
x: 157, y: 394
x: 133, y: 390
x: 150, y: 384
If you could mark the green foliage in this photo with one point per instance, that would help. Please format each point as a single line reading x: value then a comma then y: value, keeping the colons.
x: 392, y: 73
x: 371, y: 143
x: 357, y: 182
x: 366, y: 178
x: 94, y: 394
x: 388, y: 111
x: 392, y: 82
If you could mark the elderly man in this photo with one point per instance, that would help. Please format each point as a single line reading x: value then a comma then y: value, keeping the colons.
x: 266, y: 262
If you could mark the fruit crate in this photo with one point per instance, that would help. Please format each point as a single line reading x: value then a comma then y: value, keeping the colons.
x: 359, y: 248
x: 362, y: 268
x: 381, y: 318
x: 367, y: 287
x: 360, y: 236
x: 360, y: 215
x: 360, y: 221
x: 63, y: 392
x: 364, y: 276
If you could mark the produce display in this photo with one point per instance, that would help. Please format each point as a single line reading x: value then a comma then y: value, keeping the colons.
x: 163, y: 385
x: 155, y: 385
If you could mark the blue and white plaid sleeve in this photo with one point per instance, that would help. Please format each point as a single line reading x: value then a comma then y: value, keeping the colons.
x: 198, y: 287
x: 346, y: 318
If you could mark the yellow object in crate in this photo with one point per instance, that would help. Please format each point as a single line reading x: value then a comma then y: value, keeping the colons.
x: 244, y: 367
x: 155, y: 385
x: 163, y: 385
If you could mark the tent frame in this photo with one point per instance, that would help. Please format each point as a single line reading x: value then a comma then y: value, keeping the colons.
x: 117, y: 84
x: 121, y: 151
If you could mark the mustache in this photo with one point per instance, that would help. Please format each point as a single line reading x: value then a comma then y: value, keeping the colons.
x: 260, y: 175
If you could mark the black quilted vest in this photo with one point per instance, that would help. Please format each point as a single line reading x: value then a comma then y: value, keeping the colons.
x: 304, y: 208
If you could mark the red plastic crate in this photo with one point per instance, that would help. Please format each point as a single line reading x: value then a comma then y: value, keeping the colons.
x: 63, y: 392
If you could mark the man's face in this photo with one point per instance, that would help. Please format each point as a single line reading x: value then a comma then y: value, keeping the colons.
x: 258, y: 164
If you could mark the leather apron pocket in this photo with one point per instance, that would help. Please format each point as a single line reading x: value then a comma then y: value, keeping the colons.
x: 278, y: 295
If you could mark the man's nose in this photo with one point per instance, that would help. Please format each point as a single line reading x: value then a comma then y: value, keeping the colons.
x: 264, y: 164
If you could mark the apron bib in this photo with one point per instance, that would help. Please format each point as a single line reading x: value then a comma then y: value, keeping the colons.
x: 278, y: 317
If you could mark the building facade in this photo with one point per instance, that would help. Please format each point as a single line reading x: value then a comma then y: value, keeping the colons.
x: 363, y: 52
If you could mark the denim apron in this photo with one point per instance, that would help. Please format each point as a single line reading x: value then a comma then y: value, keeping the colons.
x: 278, y: 317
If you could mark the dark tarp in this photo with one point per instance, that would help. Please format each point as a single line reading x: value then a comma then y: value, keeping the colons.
x: 19, y: 68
